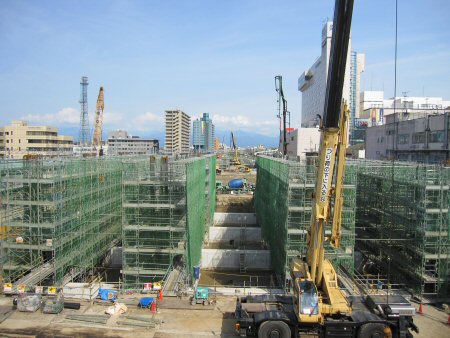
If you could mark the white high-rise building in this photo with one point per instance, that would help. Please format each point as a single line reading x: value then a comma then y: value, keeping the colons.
x: 178, y: 129
x: 313, y: 82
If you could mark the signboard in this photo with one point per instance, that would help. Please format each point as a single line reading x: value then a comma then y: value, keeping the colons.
x: 157, y: 286
x: 39, y: 289
x: 21, y: 288
x: 51, y: 290
x: 326, y: 175
x: 148, y: 286
x: 7, y: 287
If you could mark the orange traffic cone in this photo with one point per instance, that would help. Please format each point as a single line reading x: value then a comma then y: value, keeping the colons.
x: 160, y: 295
x: 420, y: 312
x: 153, y: 307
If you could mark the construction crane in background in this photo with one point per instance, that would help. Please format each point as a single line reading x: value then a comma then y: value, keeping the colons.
x: 282, y: 111
x: 97, y: 136
x: 235, y: 160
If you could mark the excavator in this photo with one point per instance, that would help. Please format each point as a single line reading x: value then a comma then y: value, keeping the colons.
x: 316, y: 306
x: 97, y: 136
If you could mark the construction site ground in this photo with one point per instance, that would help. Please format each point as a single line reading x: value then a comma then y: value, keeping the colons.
x: 176, y: 316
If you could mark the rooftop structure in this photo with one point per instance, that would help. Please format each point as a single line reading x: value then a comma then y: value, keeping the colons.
x: 374, y: 107
x: 178, y: 127
x: 20, y: 140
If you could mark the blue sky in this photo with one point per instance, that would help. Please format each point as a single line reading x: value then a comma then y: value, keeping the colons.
x: 210, y: 56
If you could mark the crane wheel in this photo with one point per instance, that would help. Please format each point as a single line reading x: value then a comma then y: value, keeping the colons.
x: 372, y: 330
x: 274, y: 329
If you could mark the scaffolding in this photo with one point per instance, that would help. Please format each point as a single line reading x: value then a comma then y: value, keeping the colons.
x: 402, y: 218
x: 168, y: 205
x: 284, y: 205
x: 57, y: 216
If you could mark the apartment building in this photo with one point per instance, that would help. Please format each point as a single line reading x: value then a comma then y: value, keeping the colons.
x: 178, y: 129
x: 19, y: 140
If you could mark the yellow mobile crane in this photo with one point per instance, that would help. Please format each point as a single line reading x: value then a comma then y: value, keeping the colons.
x: 317, y: 306
x: 97, y: 136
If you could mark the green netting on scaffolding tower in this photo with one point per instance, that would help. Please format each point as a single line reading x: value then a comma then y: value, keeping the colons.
x: 405, y: 207
x: 63, y: 213
x: 195, y: 195
x: 284, y: 205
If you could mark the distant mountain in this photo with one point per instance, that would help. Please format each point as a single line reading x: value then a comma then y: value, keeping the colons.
x: 247, y: 139
x: 243, y: 138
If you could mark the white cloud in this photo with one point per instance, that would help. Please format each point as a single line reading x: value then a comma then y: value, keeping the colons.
x: 113, y: 119
x: 66, y: 115
x: 245, y: 123
x: 146, y: 121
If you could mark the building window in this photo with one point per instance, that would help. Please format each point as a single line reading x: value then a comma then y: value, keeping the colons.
x: 436, y: 136
x: 418, y: 138
x: 403, y: 139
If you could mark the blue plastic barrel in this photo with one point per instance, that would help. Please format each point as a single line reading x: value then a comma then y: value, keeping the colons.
x: 236, y: 183
x: 196, y: 272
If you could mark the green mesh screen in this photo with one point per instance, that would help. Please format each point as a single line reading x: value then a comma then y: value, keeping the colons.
x: 195, y: 192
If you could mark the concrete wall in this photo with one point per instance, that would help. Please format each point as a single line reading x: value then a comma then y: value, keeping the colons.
x: 234, y: 218
x: 229, y: 259
x: 226, y: 234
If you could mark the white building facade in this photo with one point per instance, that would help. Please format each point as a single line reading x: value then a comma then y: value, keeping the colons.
x: 313, y: 82
x: 302, y: 141
x: 374, y: 107
x: 120, y: 143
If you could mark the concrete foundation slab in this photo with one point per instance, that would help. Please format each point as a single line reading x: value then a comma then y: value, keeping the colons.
x: 232, y: 259
x: 234, y: 218
x: 226, y: 234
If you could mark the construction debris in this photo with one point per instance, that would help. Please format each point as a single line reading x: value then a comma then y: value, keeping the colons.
x: 29, y: 302
x: 116, y: 309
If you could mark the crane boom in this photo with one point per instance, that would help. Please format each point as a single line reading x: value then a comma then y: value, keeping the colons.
x: 330, y: 137
x: 99, y: 109
x: 282, y: 110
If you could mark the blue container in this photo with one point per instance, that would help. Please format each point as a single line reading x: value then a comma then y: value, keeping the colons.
x: 237, y: 183
x: 106, y: 294
x: 146, y: 302
x: 196, y: 272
